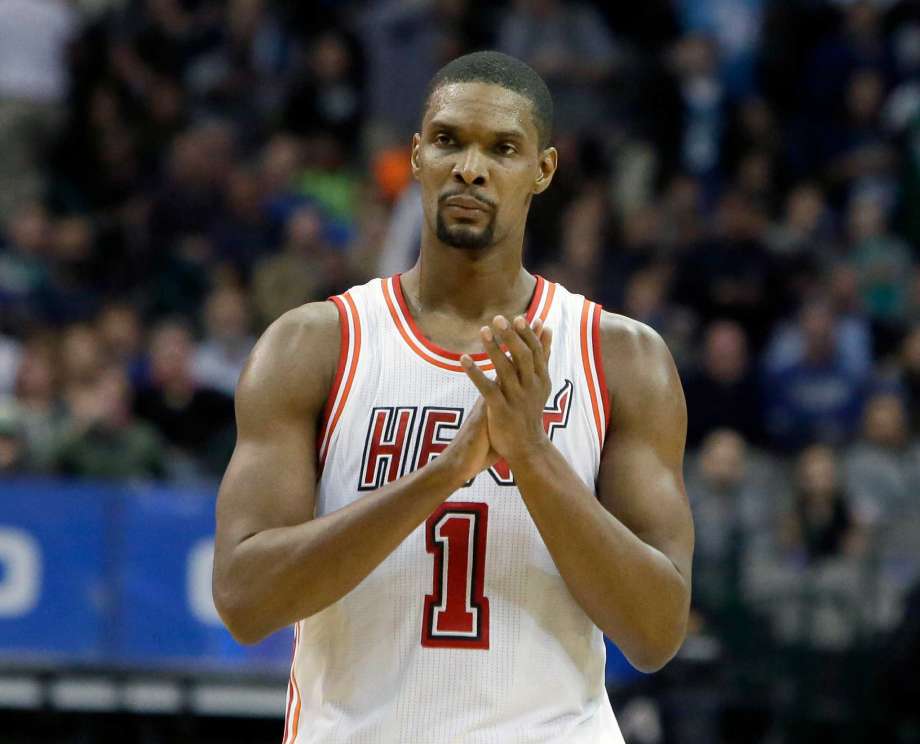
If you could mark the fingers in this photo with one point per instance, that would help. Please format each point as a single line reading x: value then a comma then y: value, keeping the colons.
x: 532, y: 336
x: 546, y: 341
x: 511, y: 334
x: 486, y: 387
x: 505, y: 374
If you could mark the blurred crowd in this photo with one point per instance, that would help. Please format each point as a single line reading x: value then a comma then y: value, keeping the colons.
x: 742, y: 175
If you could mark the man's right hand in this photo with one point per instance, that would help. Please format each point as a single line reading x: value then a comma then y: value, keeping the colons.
x: 470, y: 452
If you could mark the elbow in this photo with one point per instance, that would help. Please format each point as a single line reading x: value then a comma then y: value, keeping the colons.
x: 653, y: 650
x: 237, y: 617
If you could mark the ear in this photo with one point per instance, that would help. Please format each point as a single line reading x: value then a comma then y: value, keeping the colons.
x: 414, y: 156
x: 549, y: 159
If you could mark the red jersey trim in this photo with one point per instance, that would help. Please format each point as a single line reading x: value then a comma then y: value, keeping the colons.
x: 350, y: 350
x: 587, y: 360
x: 435, y: 354
x: 599, y: 364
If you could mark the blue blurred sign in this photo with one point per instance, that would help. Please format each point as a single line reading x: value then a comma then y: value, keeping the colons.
x: 53, y: 583
x: 115, y: 574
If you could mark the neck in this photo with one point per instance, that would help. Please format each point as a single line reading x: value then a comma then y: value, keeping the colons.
x: 468, y: 284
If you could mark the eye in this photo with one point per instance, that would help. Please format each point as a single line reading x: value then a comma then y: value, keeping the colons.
x: 443, y: 139
x: 506, y: 148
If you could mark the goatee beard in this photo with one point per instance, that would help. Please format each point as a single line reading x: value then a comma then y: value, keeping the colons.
x: 462, y: 237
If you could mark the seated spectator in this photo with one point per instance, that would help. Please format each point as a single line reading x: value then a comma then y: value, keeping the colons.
x: 102, y: 439
x: 723, y: 392
x: 10, y: 354
x: 727, y: 276
x: 733, y: 504
x: 220, y: 357
x: 306, y: 269
x: 852, y: 330
x: 811, y: 580
x: 571, y: 47
x: 816, y: 398
x: 196, y: 420
x: 37, y: 394
x: 14, y: 447
x: 240, y: 231
x: 883, y: 266
x: 881, y: 466
x: 82, y: 355
x: 23, y: 263
x: 120, y: 332
x: 800, y: 244
x: 909, y: 377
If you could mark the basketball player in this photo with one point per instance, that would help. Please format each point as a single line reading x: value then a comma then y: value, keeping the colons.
x: 448, y: 500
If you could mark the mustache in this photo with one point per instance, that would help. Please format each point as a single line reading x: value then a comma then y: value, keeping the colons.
x: 472, y: 195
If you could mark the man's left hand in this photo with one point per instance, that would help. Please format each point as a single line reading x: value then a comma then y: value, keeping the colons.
x: 516, y: 397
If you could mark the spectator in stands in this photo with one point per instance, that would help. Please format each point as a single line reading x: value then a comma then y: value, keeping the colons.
x: 10, y: 355
x: 329, y: 95
x: 570, y: 46
x: 882, y: 468
x: 220, y: 356
x: 801, y: 244
x: 240, y: 232
x: 883, y: 264
x: 70, y: 290
x: 14, y: 452
x: 102, y: 439
x: 305, y: 270
x: 120, y: 332
x: 196, y: 421
x: 732, y: 503
x: 34, y: 35
x: 858, y: 152
x: 723, y: 392
x: 728, y: 275
x: 812, y: 583
x: 24, y: 264
x: 82, y: 356
x: 815, y: 397
x: 909, y: 377
x: 37, y: 395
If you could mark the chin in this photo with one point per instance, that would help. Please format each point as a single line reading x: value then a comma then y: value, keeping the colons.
x: 460, y: 236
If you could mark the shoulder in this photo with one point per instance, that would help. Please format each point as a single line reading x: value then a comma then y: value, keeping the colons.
x: 638, y: 366
x: 294, y: 362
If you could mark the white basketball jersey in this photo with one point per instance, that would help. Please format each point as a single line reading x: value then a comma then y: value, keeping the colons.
x: 466, y: 633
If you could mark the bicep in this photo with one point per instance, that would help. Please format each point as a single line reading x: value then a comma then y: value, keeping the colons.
x: 270, y: 482
x: 271, y: 478
x: 641, y: 475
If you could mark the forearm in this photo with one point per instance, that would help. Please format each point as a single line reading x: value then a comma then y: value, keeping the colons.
x: 279, y: 576
x: 631, y: 590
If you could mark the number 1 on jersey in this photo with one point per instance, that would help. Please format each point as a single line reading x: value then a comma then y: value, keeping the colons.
x: 456, y: 613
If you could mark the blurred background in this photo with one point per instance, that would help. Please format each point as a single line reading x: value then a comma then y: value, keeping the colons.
x: 742, y: 175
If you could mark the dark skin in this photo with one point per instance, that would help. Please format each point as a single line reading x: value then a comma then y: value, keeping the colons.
x: 623, y: 550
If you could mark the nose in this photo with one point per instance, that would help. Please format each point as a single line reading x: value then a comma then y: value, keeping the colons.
x: 471, y: 168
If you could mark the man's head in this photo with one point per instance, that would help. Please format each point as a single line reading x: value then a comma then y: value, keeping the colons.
x: 483, y: 152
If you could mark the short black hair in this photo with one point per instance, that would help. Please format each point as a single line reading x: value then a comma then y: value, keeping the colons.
x: 506, y: 71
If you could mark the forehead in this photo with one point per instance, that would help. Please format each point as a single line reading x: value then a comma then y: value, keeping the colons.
x: 481, y: 106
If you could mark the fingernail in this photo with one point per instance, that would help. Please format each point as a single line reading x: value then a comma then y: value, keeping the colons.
x: 486, y: 333
x: 501, y: 323
x: 520, y: 323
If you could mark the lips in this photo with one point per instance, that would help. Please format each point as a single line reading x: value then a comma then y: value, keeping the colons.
x: 466, y: 202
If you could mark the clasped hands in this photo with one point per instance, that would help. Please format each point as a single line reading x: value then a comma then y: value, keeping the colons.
x: 507, y: 420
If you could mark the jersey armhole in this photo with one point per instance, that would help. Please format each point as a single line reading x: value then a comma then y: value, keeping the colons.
x: 599, y: 363
x: 349, y: 349
x: 593, y: 364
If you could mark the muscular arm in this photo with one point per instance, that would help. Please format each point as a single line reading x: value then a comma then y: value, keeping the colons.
x: 624, y: 552
x: 274, y: 564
